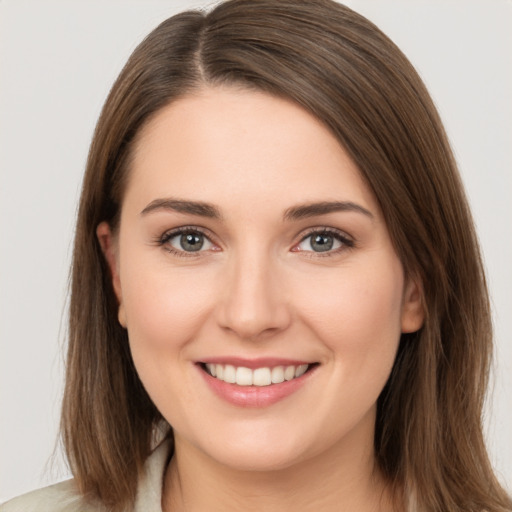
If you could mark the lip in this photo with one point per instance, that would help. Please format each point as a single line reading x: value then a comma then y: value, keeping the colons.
x: 254, y: 396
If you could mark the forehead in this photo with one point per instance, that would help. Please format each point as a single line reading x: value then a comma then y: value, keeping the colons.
x: 224, y: 144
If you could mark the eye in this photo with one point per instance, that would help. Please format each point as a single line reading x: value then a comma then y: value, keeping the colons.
x: 324, y: 241
x: 186, y: 241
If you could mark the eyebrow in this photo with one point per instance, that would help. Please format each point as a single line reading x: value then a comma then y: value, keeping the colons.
x: 178, y: 205
x: 323, y: 208
x: 298, y: 212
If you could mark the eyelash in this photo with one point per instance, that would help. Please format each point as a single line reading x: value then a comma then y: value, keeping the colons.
x: 188, y: 230
x: 346, y: 241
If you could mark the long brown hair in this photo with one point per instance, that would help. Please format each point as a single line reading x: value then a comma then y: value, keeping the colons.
x: 346, y: 72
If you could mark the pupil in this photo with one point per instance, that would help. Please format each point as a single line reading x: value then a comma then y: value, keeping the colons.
x: 192, y: 242
x: 322, y: 243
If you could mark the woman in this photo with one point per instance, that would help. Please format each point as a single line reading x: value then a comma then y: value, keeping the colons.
x: 274, y: 256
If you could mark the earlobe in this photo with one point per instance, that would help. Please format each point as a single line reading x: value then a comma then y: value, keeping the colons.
x: 108, y: 247
x: 413, y: 311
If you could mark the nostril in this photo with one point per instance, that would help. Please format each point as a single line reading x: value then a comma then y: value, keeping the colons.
x: 252, y: 305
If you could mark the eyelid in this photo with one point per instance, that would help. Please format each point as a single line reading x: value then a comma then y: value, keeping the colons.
x: 346, y: 240
x: 170, y: 233
x: 165, y: 237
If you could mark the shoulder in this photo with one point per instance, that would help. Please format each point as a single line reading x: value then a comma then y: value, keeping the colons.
x: 64, y: 496
x: 61, y: 497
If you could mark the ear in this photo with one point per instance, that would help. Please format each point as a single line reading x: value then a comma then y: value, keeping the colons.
x: 413, y: 311
x: 108, y: 246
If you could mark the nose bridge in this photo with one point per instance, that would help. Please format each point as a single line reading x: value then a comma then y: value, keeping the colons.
x: 255, y: 299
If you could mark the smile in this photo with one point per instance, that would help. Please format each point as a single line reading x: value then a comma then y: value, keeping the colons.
x: 255, y: 383
x: 264, y: 376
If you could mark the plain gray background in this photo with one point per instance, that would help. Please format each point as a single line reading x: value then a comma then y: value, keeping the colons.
x: 58, y: 60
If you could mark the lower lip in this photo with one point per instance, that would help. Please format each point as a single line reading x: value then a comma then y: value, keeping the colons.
x: 254, y: 396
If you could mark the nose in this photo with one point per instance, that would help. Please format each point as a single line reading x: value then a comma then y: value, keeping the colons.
x: 254, y: 304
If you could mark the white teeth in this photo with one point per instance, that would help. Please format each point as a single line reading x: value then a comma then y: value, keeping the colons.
x: 277, y: 375
x: 301, y: 370
x: 289, y: 372
x: 259, y: 377
x: 244, y: 376
x: 229, y: 374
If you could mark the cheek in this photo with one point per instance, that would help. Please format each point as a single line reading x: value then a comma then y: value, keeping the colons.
x: 357, y: 318
x: 357, y: 312
x: 165, y: 310
x: 164, y: 307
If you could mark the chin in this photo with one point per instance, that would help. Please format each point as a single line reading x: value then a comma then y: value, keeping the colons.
x: 261, y: 451
x: 256, y: 460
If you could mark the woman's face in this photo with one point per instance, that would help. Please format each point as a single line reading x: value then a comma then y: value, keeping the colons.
x: 250, y: 248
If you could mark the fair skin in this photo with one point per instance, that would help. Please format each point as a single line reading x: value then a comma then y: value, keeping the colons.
x: 259, y: 278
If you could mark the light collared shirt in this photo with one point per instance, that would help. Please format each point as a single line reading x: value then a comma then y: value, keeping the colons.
x: 64, y: 496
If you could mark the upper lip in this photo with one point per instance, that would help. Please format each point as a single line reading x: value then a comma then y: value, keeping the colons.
x: 260, y: 362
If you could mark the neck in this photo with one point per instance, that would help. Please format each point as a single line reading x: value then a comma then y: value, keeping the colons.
x: 343, y: 479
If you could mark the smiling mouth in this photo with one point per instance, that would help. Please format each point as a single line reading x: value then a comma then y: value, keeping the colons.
x: 264, y: 376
